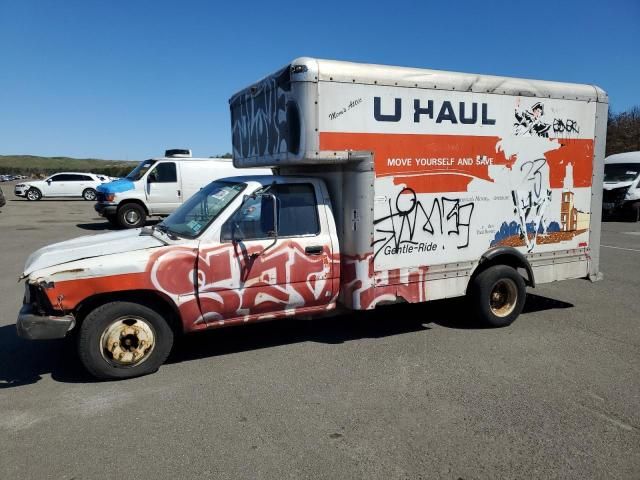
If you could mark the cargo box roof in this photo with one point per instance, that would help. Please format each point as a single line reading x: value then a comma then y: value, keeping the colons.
x: 313, y: 70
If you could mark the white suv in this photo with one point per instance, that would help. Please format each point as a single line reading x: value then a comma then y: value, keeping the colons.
x: 67, y: 184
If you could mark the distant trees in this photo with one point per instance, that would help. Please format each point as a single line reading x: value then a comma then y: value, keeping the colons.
x: 39, y: 167
x: 623, y: 131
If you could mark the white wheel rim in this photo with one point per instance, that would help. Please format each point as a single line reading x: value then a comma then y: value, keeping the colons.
x: 127, y: 342
x: 89, y: 195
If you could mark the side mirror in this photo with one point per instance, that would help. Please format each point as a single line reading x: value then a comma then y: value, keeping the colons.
x: 270, y: 220
x: 270, y: 203
x: 48, y: 181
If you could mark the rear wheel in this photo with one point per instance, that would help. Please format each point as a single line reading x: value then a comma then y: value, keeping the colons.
x: 131, y: 215
x: 34, y: 194
x: 498, y: 295
x: 123, y: 340
x: 89, y: 194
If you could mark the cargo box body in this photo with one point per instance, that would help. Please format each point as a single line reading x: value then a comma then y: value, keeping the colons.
x: 429, y: 170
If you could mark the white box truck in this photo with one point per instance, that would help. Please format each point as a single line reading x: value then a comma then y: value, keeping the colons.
x: 158, y: 186
x: 392, y: 185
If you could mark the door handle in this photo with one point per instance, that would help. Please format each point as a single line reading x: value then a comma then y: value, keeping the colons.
x: 313, y: 250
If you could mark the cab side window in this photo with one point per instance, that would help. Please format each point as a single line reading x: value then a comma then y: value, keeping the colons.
x: 248, y: 223
x: 297, y: 214
x: 163, y: 173
x: 297, y: 210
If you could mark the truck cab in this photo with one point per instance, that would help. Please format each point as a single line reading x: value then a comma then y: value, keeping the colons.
x: 241, y: 249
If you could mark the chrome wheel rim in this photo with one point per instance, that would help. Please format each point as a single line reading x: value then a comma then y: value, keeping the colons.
x: 131, y: 217
x: 503, y: 297
x: 127, y: 342
x: 32, y: 195
x: 90, y: 195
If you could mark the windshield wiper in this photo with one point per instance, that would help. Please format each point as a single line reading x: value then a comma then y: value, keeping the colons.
x: 148, y: 231
x: 164, y: 229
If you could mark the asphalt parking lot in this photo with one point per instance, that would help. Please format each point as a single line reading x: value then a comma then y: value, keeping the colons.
x: 412, y: 392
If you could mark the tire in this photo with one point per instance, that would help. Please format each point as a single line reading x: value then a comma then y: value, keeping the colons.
x: 123, y: 340
x: 633, y: 214
x: 33, y: 194
x: 89, y: 194
x: 497, y: 295
x: 131, y: 215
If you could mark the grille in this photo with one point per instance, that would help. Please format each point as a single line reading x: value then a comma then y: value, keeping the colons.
x: 38, y: 298
x: 615, y: 195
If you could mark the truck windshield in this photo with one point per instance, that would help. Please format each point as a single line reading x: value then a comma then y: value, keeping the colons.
x: 197, y: 213
x: 621, y: 172
x: 142, y: 168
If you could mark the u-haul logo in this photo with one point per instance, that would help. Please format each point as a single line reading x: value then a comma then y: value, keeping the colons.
x: 466, y: 113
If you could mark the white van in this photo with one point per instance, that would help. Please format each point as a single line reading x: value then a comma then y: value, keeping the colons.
x: 158, y: 186
x: 622, y: 185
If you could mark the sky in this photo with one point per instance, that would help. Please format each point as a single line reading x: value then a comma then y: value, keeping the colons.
x: 125, y: 79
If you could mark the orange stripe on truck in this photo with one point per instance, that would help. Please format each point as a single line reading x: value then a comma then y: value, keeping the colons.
x: 448, y: 163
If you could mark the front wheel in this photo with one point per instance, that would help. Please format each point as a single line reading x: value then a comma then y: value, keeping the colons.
x: 123, y: 340
x: 131, y: 215
x: 497, y: 295
x: 89, y: 194
x: 33, y: 194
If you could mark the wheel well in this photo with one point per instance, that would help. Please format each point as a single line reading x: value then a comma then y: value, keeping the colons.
x: 149, y: 298
x: 138, y: 202
x: 516, y: 261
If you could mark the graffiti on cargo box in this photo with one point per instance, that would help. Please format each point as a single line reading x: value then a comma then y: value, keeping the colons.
x: 259, y: 118
x: 565, y: 126
x: 530, y: 122
x: 404, y: 228
x: 534, y: 210
x: 531, y: 201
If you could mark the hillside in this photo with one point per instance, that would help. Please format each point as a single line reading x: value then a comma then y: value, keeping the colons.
x: 38, y: 166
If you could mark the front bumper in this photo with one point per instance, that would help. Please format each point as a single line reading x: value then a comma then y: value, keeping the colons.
x: 20, y: 192
x: 105, y: 209
x: 611, y: 208
x: 33, y: 326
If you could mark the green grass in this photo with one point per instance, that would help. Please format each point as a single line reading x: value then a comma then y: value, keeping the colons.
x: 34, y: 165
